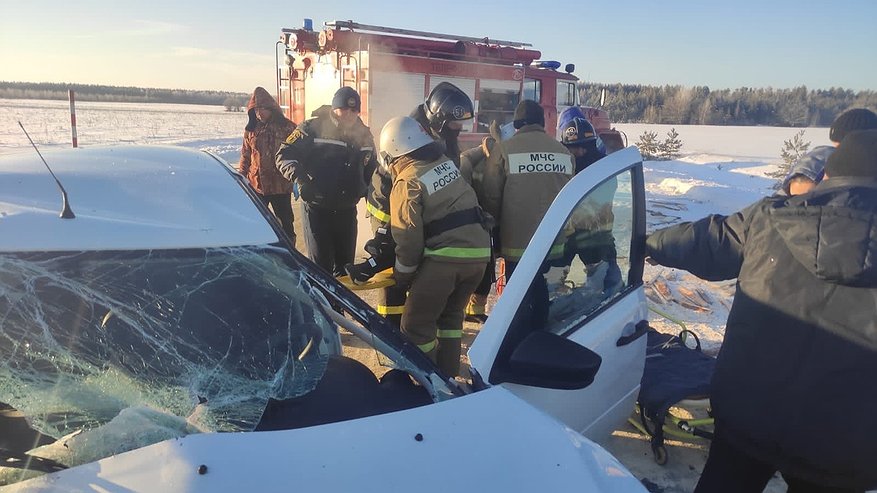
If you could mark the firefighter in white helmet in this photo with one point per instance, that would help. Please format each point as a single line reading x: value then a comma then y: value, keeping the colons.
x: 441, y: 235
x: 442, y: 116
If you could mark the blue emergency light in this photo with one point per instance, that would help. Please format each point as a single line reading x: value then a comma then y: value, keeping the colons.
x: 549, y: 64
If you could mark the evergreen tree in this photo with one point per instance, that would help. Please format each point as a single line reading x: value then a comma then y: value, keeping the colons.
x: 648, y: 145
x: 670, y: 147
x: 792, y: 150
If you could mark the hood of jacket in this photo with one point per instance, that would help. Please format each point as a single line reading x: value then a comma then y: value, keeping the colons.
x: 832, y: 231
x: 261, y: 99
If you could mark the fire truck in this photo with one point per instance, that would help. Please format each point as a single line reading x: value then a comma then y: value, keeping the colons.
x: 394, y: 70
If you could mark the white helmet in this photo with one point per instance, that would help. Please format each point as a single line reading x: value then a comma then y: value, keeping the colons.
x: 400, y: 136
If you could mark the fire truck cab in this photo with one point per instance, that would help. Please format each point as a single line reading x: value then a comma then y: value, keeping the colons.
x: 395, y: 69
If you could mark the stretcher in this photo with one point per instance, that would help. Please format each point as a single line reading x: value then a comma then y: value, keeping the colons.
x: 677, y: 374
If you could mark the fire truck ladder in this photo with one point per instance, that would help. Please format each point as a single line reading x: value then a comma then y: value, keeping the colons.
x: 423, y: 34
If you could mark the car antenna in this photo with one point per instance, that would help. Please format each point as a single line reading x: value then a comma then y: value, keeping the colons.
x: 66, y: 211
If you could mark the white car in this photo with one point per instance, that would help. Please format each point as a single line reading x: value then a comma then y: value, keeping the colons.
x: 167, y: 338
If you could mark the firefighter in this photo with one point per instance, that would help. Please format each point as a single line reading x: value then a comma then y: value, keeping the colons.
x: 332, y: 158
x: 441, y: 116
x: 442, y: 243
x: 579, y: 136
x: 472, y: 163
x: 591, y: 237
x: 522, y: 177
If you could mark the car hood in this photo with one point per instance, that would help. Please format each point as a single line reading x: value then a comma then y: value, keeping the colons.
x: 507, y: 444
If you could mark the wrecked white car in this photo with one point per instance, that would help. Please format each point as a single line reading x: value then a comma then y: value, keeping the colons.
x: 164, y: 336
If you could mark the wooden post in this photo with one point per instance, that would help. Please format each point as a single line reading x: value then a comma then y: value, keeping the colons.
x: 72, y: 117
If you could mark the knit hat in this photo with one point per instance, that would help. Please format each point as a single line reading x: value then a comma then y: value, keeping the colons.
x: 528, y: 112
x: 346, y: 97
x: 850, y: 120
x: 855, y: 156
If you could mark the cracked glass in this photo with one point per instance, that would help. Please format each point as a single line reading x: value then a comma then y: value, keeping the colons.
x: 111, y: 351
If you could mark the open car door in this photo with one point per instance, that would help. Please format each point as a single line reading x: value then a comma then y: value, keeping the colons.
x: 566, y: 334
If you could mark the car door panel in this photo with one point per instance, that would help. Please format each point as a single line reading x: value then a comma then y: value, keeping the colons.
x: 599, y: 216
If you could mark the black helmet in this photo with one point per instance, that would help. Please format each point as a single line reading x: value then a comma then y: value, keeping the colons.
x: 578, y: 132
x: 446, y: 103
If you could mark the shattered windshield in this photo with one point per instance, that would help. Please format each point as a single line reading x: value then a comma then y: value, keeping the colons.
x: 170, y: 342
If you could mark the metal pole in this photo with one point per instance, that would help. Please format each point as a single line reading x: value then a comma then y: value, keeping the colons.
x: 72, y: 116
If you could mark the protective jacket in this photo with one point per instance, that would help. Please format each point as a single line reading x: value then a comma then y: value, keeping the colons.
x: 333, y: 166
x: 794, y: 384
x: 260, y: 143
x: 523, y: 176
x: 473, y: 161
x: 434, y: 213
x: 378, y: 199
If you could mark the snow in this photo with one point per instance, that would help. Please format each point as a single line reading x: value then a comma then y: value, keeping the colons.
x: 722, y: 170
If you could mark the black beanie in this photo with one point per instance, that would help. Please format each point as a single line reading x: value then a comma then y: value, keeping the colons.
x: 855, y: 156
x: 346, y: 97
x: 528, y: 112
x: 850, y: 120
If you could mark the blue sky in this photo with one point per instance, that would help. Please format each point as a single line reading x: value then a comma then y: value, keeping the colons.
x: 216, y: 45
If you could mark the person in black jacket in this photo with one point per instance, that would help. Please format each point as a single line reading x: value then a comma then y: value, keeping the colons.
x: 795, y: 383
x: 332, y: 158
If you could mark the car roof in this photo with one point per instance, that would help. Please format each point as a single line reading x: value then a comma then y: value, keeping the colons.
x: 125, y: 198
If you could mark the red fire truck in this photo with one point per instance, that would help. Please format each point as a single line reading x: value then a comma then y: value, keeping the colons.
x: 395, y: 69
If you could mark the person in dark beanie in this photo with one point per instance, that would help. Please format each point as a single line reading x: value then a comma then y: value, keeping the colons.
x: 522, y: 177
x: 332, y: 158
x: 794, y: 387
x: 808, y: 171
x: 528, y: 112
x: 266, y: 129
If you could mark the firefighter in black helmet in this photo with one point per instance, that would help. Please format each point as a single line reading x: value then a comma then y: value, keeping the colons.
x: 580, y: 138
x: 442, y: 116
x: 591, y: 238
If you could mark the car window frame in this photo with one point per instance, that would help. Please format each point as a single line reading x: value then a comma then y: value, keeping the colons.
x: 491, y: 350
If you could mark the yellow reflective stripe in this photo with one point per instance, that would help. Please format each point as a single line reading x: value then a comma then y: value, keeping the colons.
x: 473, y: 309
x: 512, y: 252
x: 390, y: 310
x: 429, y: 346
x: 555, y: 252
x: 377, y: 213
x: 458, y: 252
x: 449, y: 334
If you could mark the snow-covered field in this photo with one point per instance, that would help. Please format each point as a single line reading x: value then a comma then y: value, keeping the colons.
x: 722, y: 169
x: 48, y: 123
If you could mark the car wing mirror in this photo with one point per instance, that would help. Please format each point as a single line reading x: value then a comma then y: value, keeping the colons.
x: 547, y: 360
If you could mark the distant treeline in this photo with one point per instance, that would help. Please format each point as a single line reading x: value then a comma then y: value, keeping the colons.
x: 87, y: 92
x: 626, y: 103
x: 679, y: 105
